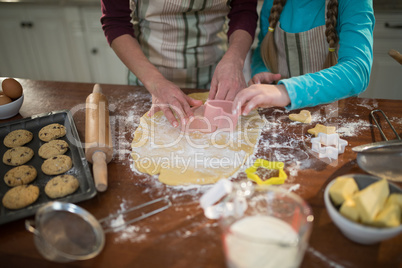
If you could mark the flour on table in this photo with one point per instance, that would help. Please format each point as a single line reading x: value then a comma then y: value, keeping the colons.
x: 349, y: 129
x: 126, y: 121
x: 323, y: 258
x: 370, y: 104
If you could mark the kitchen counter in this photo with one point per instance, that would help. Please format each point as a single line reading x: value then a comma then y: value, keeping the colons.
x: 182, y: 236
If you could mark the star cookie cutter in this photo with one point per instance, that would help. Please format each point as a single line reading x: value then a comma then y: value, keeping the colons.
x: 333, y: 145
x: 268, y: 165
x: 213, y: 115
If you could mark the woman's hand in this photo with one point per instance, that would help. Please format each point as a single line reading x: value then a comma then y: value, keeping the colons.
x: 166, y: 96
x: 170, y: 99
x: 259, y: 95
x: 228, y: 79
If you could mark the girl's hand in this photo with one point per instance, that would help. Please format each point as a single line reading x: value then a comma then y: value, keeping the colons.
x: 264, y: 78
x: 258, y: 95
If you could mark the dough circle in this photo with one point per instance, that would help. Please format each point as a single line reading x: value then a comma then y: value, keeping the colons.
x: 194, y: 157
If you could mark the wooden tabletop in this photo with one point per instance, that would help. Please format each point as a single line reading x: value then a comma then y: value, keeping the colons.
x: 182, y: 236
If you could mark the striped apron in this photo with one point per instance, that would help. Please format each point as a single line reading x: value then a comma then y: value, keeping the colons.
x: 184, y: 39
x: 301, y: 53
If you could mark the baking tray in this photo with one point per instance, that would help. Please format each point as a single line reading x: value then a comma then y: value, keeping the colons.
x: 80, y: 167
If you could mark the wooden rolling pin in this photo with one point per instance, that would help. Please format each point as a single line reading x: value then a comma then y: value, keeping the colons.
x: 98, y: 138
x: 395, y: 55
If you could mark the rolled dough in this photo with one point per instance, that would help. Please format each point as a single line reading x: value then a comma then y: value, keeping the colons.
x: 194, y: 157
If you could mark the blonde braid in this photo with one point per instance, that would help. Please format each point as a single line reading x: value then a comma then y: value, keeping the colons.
x: 268, y: 47
x: 331, y: 34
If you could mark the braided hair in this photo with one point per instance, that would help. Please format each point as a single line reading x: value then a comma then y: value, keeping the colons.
x: 331, y: 34
x: 268, y: 47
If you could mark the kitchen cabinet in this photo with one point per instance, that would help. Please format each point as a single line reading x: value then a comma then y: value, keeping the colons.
x: 34, y: 43
x: 104, y: 64
x: 386, y: 73
x: 57, y: 43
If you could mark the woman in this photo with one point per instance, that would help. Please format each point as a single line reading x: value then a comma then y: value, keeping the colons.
x: 181, y: 44
x: 317, y: 52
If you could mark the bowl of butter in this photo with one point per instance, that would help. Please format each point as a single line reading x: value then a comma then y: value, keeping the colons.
x: 367, y: 209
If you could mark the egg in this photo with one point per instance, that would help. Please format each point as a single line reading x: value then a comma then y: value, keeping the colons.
x: 12, y: 88
x: 4, y: 99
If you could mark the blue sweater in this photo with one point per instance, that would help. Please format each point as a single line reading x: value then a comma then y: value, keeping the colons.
x: 355, y: 55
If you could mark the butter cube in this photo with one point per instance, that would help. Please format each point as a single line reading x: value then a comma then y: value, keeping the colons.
x: 342, y: 189
x: 389, y: 216
x: 371, y: 200
x: 349, y: 210
x: 396, y: 199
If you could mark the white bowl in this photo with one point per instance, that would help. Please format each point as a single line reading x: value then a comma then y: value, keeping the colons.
x: 357, y: 232
x: 10, y: 109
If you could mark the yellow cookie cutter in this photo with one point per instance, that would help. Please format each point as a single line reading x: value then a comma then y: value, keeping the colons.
x: 251, y: 172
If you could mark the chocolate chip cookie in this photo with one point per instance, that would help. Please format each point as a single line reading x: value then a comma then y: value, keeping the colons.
x: 53, y: 148
x: 20, y: 175
x: 61, y: 186
x: 17, y: 156
x: 57, y: 165
x: 17, y: 138
x: 20, y: 196
x: 52, y: 132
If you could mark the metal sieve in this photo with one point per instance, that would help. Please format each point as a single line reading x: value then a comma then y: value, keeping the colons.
x: 381, y: 158
x: 65, y: 232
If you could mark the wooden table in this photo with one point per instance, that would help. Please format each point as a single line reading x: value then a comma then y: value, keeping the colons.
x: 182, y: 236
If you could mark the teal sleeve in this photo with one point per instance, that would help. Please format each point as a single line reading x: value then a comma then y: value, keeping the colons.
x: 257, y: 64
x: 350, y: 76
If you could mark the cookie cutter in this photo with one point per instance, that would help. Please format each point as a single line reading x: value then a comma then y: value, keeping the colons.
x: 226, y: 198
x: 273, y: 165
x: 220, y: 113
x: 210, y: 200
x: 213, y: 115
x: 64, y: 232
x: 333, y: 145
x: 199, y: 122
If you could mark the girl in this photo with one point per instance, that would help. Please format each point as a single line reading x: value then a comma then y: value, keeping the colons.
x: 318, y: 51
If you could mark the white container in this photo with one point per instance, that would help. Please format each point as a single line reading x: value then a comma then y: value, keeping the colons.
x: 10, y: 109
x: 273, y: 230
